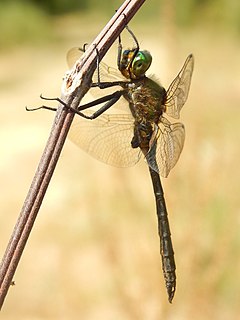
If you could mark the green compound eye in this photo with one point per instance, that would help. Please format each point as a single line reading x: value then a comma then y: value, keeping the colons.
x: 141, y: 63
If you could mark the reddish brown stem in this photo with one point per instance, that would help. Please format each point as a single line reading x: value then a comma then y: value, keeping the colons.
x: 56, y: 140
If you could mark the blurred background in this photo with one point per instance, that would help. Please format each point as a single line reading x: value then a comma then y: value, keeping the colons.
x: 94, y: 249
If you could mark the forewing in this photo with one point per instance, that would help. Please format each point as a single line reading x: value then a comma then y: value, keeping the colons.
x: 106, y: 138
x: 177, y: 92
x: 107, y: 74
x: 73, y: 55
x: 170, y: 141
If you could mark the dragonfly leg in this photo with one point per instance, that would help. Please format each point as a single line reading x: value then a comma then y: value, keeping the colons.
x: 98, y: 68
x: 114, y: 97
x: 53, y: 99
x: 99, y: 83
x: 119, y: 51
x: 46, y: 107
x: 133, y: 36
x: 110, y: 100
x: 119, y: 57
x: 83, y: 49
x: 120, y: 45
x: 104, y: 85
x: 42, y: 107
x: 135, y: 50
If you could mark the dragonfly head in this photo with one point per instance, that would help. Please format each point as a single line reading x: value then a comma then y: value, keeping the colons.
x: 134, y: 65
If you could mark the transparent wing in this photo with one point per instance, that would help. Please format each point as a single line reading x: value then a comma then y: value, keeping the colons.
x: 107, y: 74
x: 177, y: 92
x: 170, y: 141
x: 106, y: 138
x: 73, y: 55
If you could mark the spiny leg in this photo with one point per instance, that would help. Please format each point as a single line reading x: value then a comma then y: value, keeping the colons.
x: 47, y: 107
x: 105, y: 84
x: 133, y: 36
x: 134, y: 50
x: 119, y: 56
x: 109, y: 101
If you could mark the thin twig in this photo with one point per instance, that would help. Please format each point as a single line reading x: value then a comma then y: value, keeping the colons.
x: 72, y: 94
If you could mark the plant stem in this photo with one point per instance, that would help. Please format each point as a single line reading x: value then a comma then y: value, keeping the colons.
x: 84, y: 69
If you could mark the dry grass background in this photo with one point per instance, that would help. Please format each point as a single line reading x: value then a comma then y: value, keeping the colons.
x: 94, y: 250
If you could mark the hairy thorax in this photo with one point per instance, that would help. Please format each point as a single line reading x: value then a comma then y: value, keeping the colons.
x: 146, y: 101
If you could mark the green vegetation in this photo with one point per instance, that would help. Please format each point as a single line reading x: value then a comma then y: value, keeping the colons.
x: 23, y: 21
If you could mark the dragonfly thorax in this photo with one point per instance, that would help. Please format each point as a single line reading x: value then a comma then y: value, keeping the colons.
x: 134, y: 65
x: 146, y: 99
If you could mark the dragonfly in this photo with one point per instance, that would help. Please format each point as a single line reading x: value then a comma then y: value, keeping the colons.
x: 144, y: 130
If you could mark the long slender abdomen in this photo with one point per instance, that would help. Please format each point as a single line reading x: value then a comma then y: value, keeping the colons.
x: 166, y: 248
